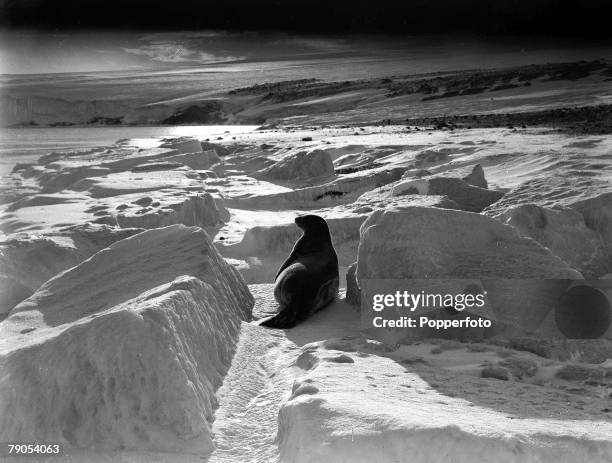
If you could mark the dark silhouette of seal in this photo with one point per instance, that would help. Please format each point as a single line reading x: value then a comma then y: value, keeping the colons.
x: 308, y: 280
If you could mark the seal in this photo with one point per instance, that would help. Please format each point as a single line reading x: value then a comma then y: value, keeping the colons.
x: 308, y: 280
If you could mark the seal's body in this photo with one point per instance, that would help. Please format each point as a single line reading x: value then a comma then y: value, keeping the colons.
x: 308, y: 280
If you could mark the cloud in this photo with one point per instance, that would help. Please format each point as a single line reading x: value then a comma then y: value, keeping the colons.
x: 174, y: 52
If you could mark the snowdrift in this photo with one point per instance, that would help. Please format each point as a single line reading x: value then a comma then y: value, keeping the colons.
x: 569, y: 213
x: 523, y: 279
x: 27, y: 261
x: 354, y: 406
x: 125, y: 350
x: 316, y: 163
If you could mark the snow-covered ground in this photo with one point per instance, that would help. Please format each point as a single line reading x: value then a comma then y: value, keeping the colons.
x: 128, y: 332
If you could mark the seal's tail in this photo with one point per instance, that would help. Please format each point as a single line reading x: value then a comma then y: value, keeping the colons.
x: 290, y: 316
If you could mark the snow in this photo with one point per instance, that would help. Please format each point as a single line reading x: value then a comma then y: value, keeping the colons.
x: 522, y: 279
x: 195, y: 160
x: 376, y: 409
x: 457, y: 244
x: 142, y: 333
x: 27, y: 261
x: 316, y: 163
x: 163, y: 349
x: 468, y: 197
x: 343, y: 397
x: 565, y: 233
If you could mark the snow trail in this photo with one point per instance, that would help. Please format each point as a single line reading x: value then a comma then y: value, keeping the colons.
x: 245, y: 423
x: 261, y: 377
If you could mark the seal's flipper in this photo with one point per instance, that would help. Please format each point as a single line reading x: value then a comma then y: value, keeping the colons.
x: 286, y: 318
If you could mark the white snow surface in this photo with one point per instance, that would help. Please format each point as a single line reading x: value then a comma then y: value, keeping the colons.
x: 144, y: 351
x: 125, y: 350
x: 375, y: 409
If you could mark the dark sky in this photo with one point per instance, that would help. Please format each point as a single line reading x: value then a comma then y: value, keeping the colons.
x: 523, y: 17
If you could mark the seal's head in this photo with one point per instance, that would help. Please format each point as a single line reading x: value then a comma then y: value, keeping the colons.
x: 312, y: 224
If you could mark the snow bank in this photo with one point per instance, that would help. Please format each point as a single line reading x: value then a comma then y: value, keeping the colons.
x: 340, y: 191
x: 468, y: 197
x: 128, y: 182
x: 350, y: 405
x: 125, y: 350
x: 588, y: 195
x: 184, y: 145
x: 12, y: 291
x: 53, y: 181
x: 62, y: 170
x: 300, y: 165
x: 565, y: 233
x: 597, y: 213
x: 418, y: 241
x: 384, y: 197
x: 523, y: 279
x: 195, y: 160
x: 473, y: 176
x: 476, y: 177
x: 27, y: 261
x: 216, y: 147
x: 202, y: 210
